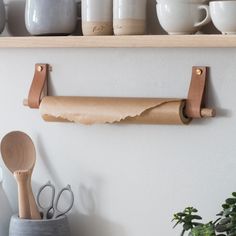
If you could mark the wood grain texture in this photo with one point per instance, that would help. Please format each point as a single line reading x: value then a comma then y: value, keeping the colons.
x: 34, y: 212
x: 144, y: 41
x: 22, y: 177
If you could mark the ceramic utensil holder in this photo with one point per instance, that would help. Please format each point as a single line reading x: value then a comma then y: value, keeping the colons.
x: 52, y: 227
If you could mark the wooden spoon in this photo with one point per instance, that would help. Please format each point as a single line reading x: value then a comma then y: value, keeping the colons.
x: 22, y: 177
x: 18, y: 153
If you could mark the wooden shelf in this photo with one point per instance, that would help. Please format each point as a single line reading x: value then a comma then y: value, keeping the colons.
x: 145, y: 41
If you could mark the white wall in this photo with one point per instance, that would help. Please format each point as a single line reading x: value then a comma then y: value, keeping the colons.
x: 128, y: 179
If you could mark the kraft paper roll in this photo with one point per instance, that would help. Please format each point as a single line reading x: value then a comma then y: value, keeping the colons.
x: 101, y: 110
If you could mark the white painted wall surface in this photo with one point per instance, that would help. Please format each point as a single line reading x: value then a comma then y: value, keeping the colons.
x: 128, y: 180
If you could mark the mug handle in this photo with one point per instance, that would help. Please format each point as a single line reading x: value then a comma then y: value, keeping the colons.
x: 208, y: 17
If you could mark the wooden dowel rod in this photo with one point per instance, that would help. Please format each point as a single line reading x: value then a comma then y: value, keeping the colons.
x: 25, y: 102
x: 208, y: 112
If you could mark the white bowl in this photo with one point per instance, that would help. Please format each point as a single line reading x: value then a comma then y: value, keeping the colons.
x: 223, y: 15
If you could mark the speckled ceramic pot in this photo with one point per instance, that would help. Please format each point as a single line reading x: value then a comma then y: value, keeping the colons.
x: 53, y: 227
x: 50, y: 17
x: 2, y: 16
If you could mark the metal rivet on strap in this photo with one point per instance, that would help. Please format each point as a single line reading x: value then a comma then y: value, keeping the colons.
x: 198, y: 71
x: 39, y: 68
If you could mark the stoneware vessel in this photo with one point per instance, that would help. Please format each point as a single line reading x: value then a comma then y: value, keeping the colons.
x: 52, y: 227
x: 97, y: 17
x: 182, y: 16
x: 129, y: 17
x: 50, y: 17
x: 2, y: 16
x: 223, y: 14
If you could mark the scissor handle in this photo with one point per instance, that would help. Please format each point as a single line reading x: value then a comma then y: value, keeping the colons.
x: 50, y: 206
x: 57, y: 212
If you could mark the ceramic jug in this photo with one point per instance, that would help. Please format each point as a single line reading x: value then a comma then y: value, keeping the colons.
x: 5, y: 212
x: 50, y: 17
x: 2, y: 16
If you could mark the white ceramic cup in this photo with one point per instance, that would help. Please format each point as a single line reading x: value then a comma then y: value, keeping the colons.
x: 2, y: 16
x: 223, y: 14
x: 50, y: 17
x: 129, y: 17
x: 97, y: 17
x: 182, y: 16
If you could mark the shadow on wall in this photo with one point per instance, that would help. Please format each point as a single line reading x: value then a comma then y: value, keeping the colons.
x: 91, y: 223
x: 211, y: 95
x: 94, y: 225
x: 153, y: 25
x: 47, y: 163
x: 16, y: 18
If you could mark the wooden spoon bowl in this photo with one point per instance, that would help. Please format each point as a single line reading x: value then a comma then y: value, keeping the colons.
x: 18, y: 153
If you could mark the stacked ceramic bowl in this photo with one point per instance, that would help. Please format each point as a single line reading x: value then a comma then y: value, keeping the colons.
x: 2, y: 16
x: 223, y: 15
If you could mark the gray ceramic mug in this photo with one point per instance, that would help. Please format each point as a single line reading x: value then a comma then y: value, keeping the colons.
x: 52, y: 227
x: 2, y: 16
x: 50, y: 17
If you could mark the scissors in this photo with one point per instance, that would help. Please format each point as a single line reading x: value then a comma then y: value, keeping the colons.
x: 52, y: 211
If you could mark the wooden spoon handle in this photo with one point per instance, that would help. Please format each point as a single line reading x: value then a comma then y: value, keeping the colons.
x: 35, y: 214
x: 22, y: 178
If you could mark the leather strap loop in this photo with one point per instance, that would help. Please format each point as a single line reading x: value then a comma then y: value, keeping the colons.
x: 194, y: 101
x: 38, y: 87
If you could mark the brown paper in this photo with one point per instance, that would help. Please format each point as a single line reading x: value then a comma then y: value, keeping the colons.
x: 101, y: 110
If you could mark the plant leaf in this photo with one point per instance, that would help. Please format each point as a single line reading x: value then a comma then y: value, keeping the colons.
x: 230, y: 201
x: 220, y: 228
x: 176, y: 224
x: 187, y: 226
x: 226, y: 206
x: 224, y: 221
x: 181, y: 214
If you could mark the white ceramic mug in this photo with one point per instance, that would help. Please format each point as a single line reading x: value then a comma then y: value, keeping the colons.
x: 182, y: 16
x: 2, y: 16
x: 50, y: 17
x: 129, y: 17
x: 97, y: 17
x: 223, y: 14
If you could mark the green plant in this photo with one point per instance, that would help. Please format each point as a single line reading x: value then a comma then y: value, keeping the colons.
x: 227, y: 223
x: 223, y: 226
x: 187, y: 218
x: 203, y: 230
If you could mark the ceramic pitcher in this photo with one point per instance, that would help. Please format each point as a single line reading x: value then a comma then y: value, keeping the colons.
x: 50, y: 17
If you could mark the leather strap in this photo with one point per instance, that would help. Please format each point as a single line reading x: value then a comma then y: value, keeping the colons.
x: 194, y: 101
x: 38, y: 88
